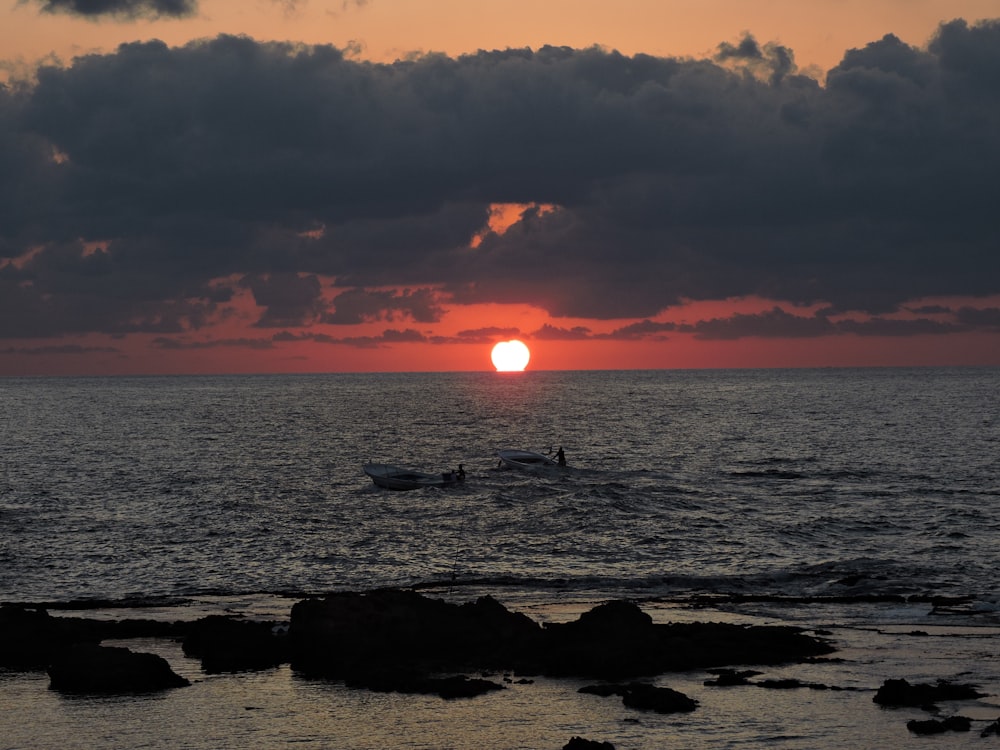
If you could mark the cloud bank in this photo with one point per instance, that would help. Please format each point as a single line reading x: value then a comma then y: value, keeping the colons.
x: 142, y: 190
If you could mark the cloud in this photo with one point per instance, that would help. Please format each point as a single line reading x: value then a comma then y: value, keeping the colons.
x: 120, y: 9
x: 550, y: 332
x: 987, y: 318
x: 359, y: 306
x: 777, y: 323
x: 388, y: 336
x: 772, y: 61
x: 136, y: 186
x: 178, y: 344
x: 489, y: 333
x: 288, y: 299
x: 641, y: 330
x: 63, y: 349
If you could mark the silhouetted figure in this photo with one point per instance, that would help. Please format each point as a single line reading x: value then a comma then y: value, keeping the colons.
x: 461, y: 473
x: 560, y: 457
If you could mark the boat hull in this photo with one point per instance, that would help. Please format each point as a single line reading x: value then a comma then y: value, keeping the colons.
x: 392, y: 477
x: 526, y: 460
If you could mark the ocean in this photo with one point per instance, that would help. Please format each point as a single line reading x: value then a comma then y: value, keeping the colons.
x: 860, y: 503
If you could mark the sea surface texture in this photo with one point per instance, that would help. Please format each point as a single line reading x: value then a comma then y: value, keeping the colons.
x: 862, y: 501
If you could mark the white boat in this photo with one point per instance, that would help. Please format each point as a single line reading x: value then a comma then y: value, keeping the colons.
x: 397, y: 478
x: 526, y: 460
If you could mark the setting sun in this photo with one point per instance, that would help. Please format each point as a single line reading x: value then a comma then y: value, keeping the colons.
x: 510, y: 356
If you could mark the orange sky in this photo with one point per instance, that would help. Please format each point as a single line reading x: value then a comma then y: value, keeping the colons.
x: 817, y: 30
x: 459, y: 335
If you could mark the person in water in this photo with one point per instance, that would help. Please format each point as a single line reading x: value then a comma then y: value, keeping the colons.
x: 560, y: 457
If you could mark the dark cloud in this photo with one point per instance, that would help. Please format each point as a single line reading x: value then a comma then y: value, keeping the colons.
x: 980, y: 318
x: 490, y: 333
x: 777, y: 323
x: 772, y: 61
x: 62, y: 350
x: 134, y: 186
x: 885, y: 327
x: 360, y: 306
x: 181, y: 344
x: 642, y: 330
x: 550, y: 332
x: 388, y: 336
x: 287, y: 298
x: 120, y: 9
x: 288, y: 336
x: 930, y: 310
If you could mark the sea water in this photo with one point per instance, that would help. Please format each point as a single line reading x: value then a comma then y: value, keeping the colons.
x: 865, y: 502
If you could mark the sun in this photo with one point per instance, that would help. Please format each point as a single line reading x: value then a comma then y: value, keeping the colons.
x: 510, y: 356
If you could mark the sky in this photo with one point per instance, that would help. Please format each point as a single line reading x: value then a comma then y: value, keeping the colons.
x: 212, y: 186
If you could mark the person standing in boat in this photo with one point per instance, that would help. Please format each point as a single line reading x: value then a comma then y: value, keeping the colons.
x: 560, y: 457
x: 461, y: 473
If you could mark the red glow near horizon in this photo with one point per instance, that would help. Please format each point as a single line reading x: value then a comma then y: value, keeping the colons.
x: 458, y: 342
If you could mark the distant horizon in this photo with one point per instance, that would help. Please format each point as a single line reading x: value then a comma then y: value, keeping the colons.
x: 511, y: 375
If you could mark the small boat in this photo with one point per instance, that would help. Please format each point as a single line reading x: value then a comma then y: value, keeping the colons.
x: 396, y: 478
x: 526, y: 460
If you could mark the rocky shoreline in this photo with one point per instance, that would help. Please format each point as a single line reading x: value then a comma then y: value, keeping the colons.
x: 400, y: 640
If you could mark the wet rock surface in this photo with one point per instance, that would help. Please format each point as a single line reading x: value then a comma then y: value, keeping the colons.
x: 30, y: 637
x: 225, y: 644
x: 940, y: 726
x: 646, y: 697
x: 403, y: 641
x: 340, y: 635
x: 900, y: 692
x: 579, y: 743
x: 88, y: 668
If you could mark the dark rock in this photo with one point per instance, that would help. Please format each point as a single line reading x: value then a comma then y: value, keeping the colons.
x: 639, y: 648
x: 731, y: 677
x: 579, y: 743
x: 899, y: 692
x: 365, y: 637
x: 662, y: 700
x: 603, y: 690
x: 30, y: 636
x: 227, y: 645
x: 611, y: 641
x: 397, y: 637
x: 646, y: 697
x: 958, y: 723
x: 346, y: 633
x: 460, y: 686
x: 990, y: 729
x: 935, y: 726
x: 927, y: 726
x: 88, y: 668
